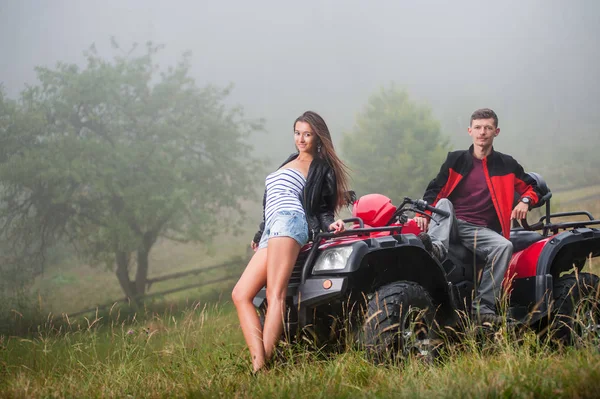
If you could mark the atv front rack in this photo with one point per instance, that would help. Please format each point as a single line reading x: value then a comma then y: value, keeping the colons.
x: 361, y: 231
x: 408, y: 205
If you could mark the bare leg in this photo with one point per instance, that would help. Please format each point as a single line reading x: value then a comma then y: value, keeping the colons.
x: 251, y: 281
x: 281, y: 257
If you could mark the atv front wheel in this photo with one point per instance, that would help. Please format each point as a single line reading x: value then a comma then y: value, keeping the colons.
x: 398, y: 323
x: 577, y: 306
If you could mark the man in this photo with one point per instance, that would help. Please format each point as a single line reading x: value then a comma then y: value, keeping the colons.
x: 477, y: 186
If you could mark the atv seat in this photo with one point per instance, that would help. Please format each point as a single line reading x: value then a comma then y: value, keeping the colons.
x: 521, y: 238
x: 463, y: 254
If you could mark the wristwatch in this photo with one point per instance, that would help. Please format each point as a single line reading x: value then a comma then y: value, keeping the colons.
x: 526, y: 200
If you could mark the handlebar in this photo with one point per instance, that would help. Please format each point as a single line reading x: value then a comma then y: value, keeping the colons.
x: 418, y: 206
x: 422, y: 205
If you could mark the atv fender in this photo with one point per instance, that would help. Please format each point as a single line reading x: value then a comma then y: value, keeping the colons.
x: 404, y: 258
x: 567, y: 249
x: 531, y: 295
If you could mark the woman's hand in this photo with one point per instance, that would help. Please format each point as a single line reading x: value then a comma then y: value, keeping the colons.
x: 254, y: 246
x: 338, y: 226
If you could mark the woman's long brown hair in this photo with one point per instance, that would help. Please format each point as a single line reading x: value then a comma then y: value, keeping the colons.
x: 327, y: 152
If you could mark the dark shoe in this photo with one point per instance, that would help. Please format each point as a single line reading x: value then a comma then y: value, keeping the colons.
x: 430, y: 247
x: 495, y: 320
x: 489, y: 319
x: 492, y: 322
x: 426, y: 240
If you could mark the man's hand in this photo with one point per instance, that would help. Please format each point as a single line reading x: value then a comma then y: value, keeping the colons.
x: 254, y: 246
x: 422, y: 222
x: 337, y: 226
x: 520, y: 211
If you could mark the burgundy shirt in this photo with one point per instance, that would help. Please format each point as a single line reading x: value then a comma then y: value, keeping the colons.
x: 472, y: 200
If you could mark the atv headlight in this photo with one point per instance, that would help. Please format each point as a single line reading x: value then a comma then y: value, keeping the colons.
x: 333, y: 259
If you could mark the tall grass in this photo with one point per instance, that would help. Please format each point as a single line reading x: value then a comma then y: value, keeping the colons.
x: 201, y: 353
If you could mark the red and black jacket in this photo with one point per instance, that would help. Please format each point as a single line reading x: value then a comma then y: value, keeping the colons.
x: 504, y: 177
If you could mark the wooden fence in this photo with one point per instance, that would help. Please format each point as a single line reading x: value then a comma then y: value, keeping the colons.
x: 234, y: 264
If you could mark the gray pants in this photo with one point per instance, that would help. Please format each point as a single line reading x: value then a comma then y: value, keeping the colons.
x: 488, y: 244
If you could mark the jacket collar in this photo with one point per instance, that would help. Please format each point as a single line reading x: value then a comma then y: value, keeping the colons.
x: 489, y: 157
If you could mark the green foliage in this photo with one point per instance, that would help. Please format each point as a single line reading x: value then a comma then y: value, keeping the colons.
x: 396, y: 146
x: 119, y: 153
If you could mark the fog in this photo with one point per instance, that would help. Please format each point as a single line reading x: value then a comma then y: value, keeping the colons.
x: 534, y: 62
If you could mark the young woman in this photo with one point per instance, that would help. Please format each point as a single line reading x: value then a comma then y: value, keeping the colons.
x: 300, y: 200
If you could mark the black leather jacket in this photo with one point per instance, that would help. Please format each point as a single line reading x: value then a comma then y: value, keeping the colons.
x: 319, y: 197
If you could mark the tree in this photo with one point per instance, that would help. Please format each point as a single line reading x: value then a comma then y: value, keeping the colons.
x: 396, y: 146
x: 117, y: 154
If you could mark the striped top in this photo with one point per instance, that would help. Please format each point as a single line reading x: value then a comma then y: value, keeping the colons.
x: 284, y: 190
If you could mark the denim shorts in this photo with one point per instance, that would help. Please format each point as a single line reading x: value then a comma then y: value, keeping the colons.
x: 286, y: 224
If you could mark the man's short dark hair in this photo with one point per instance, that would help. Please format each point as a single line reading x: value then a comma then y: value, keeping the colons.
x: 484, y: 113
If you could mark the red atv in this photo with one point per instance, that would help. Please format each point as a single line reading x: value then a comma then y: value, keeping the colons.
x: 377, y: 282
